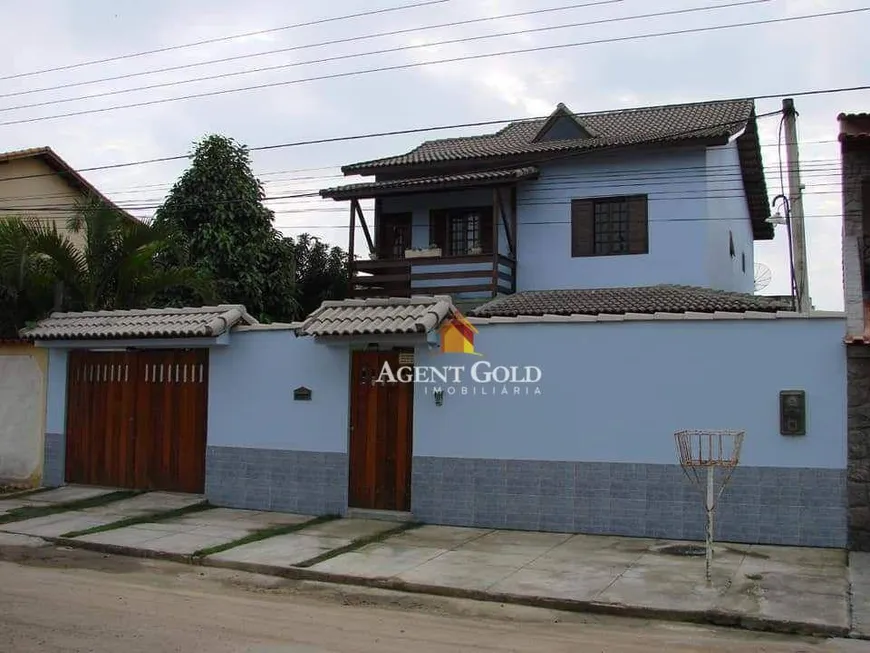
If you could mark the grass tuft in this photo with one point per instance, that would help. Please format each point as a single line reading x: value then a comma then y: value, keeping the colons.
x: 262, y: 534
x: 12, y: 492
x: 32, y: 512
x: 149, y: 518
x: 359, y: 543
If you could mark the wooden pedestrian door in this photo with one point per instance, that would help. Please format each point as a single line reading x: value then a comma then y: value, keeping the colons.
x: 380, y: 435
x: 137, y: 419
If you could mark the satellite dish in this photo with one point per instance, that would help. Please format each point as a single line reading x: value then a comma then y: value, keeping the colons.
x: 762, y: 276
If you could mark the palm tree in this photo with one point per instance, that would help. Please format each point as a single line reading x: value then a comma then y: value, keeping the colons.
x: 121, y: 265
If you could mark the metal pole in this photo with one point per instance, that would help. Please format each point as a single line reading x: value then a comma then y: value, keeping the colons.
x: 796, y: 204
x: 709, y: 526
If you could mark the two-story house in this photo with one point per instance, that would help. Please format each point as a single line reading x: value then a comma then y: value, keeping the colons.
x: 630, y: 198
x: 608, y: 259
x: 37, y: 185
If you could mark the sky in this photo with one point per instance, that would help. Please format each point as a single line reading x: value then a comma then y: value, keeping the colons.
x: 773, y: 59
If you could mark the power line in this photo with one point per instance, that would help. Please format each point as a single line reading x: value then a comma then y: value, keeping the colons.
x: 420, y: 130
x: 813, y: 169
x: 416, y: 130
x: 695, y: 30
x: 319, y: 21
x: 403, y: 48
x: 715, y: 194
x: 353, y: 39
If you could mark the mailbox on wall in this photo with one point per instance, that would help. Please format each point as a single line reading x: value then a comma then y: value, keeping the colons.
x: 793, y: 412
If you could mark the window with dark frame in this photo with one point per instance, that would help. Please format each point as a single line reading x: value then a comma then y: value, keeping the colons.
x: 609, y: 226
x: 458, y: 231
x: 464, y: 230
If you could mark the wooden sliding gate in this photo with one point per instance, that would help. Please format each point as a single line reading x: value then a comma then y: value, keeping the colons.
x: 137, y: 419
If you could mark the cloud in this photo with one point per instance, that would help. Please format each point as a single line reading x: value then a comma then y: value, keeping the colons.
x: 778, y: 58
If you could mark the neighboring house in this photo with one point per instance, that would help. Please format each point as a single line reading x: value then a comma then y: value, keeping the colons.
x: 855, y: 153
x: 37, y: 184
x: 608, y: 259
x: 637, y: 197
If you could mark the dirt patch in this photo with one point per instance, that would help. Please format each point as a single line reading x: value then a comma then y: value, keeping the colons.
x: 52, y: 557
x: 12, y: 489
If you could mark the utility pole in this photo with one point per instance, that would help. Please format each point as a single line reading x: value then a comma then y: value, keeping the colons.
x: 796, y: 206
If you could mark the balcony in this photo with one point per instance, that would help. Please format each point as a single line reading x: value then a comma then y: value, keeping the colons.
x: 474, y: 276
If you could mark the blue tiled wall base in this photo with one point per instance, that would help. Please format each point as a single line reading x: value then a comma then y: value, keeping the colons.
x: 54, y: 460
x: 305, y: 482
x: 761, y: 505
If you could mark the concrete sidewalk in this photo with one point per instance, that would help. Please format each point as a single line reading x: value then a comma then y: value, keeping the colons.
x: 785, y: 589
x: 66, y: 494
x: 57, y: 524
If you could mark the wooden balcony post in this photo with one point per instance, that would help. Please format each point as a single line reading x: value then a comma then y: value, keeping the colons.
x: 496, y: 203
x: 350, y: 258
x: 514, y: 231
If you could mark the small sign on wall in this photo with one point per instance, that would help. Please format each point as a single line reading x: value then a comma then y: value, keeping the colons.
x: 302, y: 394
x: 792, y: 412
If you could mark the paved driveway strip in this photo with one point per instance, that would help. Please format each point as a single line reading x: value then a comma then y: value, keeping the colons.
x: 76, y: 520
x: 57, y: 496
x: 184, y: 536
x: 306, y: 544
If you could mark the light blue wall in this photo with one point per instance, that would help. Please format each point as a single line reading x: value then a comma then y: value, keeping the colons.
x: 250, y: 401
x: 695, y: 197
x: 727, y: 210
x: 675, y: 183
x: 616, y: 392
x: 55, y: 404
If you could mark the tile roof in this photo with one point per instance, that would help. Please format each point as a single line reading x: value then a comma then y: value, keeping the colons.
x: 518, y: 144
x: 670, y: 123
x: 854, y: 127
x: 418, y: 184
x: 66, y: 172
x: 205, y: 321
x: 617, y: 301
x: 394, y: 315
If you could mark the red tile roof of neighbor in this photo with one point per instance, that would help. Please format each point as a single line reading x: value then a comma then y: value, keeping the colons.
x: 65, y: 171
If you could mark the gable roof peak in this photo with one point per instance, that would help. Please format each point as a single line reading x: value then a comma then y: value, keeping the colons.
x: 563, y: 124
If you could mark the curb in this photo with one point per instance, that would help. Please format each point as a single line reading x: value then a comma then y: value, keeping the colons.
x: 711, y: 617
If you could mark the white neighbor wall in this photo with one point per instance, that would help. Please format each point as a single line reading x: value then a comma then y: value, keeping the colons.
x: 22, y: 411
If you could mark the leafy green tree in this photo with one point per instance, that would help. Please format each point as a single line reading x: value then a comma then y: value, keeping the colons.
x: 320, y: 272
x: 119, y: 267
x: 26, y: 282
x: 228, y: 233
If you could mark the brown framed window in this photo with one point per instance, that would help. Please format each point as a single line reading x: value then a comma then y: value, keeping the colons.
x: 458, y: 231
x: 393, y: 235
x: 609, y: 226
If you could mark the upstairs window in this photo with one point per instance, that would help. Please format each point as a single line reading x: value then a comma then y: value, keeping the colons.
x: 609, y: 226
x: 459, y: 231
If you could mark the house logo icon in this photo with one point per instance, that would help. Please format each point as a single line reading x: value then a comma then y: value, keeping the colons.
x: 457, y: 336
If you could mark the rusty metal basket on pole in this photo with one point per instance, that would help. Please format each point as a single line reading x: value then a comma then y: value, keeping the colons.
x: 701, y: 453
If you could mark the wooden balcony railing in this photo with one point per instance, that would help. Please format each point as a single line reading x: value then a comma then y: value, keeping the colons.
x: 483, y: 275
